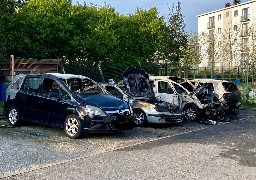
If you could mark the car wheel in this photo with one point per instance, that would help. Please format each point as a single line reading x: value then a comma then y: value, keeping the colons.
x: 191, y: 112
x: 72, y: 126
x: 14, y: 117
x: 140, y: 117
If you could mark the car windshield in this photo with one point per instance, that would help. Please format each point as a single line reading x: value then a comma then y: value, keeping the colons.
x: 83, y: 86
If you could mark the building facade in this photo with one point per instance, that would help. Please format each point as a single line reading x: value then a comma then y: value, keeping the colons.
x: 227, y: 37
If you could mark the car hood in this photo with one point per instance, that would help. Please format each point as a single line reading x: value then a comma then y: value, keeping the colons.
x: 136, y: 82
x: 105, y: 102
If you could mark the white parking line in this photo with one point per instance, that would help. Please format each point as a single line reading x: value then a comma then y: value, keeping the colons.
x: 14, y: 173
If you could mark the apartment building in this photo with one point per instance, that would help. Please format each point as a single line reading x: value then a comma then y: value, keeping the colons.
x: 227, y: 37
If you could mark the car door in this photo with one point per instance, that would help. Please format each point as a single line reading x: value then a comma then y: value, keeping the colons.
x: 28, y: 98
x: 165, y: 92
x: 54, y: 102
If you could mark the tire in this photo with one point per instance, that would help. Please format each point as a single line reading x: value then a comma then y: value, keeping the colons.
x: 191, y: 112
x: 140, y: 118
x: 73, y: 127
x: 13, y: 117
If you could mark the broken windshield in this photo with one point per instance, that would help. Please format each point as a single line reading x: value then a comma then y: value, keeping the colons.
x: 83, y: 86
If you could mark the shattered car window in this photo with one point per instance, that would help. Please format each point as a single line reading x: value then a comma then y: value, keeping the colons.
x: 83, y: 86
x: 179, y: 89
x: 229, y: 86
x: 115, y: 92
x: 164, y: 87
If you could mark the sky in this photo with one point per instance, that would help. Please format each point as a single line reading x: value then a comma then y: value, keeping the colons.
x: 190, y: 8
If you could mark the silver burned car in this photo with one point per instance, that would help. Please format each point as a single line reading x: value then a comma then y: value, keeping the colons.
x: 146, y: 110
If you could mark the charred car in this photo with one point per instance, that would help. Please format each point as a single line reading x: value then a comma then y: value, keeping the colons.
x: 169, y: 91
x: 226, y: 91
x: 73, y: 102
x: 145, y: 108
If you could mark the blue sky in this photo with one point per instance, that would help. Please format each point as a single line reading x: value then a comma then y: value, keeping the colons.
x: 190, y: 8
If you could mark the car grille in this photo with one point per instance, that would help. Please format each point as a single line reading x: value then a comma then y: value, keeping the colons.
x: 122, y: 112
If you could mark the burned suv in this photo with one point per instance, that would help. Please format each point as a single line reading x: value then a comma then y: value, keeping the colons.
x: 73, y: 102
x: 227, y: 92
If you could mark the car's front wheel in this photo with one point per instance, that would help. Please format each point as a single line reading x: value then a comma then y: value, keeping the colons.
x: 191, y: 112
x: 73, y: 127
x: 140, y: 117
x: 14, y: 117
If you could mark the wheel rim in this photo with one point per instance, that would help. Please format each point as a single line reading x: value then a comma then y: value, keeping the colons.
x: 190, y: 113
x: 72, y: 126
x: 139, y: 118
x: 13, y: 116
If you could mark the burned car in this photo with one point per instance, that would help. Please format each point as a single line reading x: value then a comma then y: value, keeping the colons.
x: 227, y: 92
x: 172, y: 92
x: 73, y: 102
x: 145, y: 108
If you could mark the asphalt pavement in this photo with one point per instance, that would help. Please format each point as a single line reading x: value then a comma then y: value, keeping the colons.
x: 213, y: 152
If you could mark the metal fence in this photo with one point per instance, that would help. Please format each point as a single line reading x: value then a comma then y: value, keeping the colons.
x: 245, y: 80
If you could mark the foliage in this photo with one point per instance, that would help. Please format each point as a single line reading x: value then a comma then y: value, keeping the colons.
x: 89, y: 35
x: 191, y: 57
x: 175, y: 36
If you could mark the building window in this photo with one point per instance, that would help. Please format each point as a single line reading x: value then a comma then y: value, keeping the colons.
x: 235, y: 13
x: 235, y: 27
x: 211, y: 23
x: 245, y: 14
x: 219, y: 30
x: 219, y: 17
x: 227, y: 13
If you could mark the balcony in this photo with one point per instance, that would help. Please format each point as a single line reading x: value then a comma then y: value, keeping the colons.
x: 244, y: 33
x: 245, y: 18
x: 210, y: 25
x: 210, y: 38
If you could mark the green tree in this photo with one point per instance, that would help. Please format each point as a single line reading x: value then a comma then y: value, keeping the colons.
x: 7, y: 9
x: 175, y: 36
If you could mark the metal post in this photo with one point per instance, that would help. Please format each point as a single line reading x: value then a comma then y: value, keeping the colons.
x: 247, y: 84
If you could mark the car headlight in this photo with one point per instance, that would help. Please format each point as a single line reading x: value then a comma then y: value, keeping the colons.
x: 82, y: 111
x: 95, y: 111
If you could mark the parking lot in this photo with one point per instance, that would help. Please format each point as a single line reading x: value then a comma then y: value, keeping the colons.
x: 31, y: 147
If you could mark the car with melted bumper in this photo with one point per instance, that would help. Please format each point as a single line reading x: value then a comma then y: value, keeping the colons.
x: 67, y: 101
x: 146, y: 109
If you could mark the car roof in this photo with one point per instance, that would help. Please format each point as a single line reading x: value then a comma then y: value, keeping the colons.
x: 67, y: 76
x: 209, y: 80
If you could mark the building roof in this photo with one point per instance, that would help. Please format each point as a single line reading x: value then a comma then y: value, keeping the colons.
x: 226, y: 8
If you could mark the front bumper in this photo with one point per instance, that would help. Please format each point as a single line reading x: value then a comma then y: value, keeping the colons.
x: 109, y: 123
x: 165, y: 118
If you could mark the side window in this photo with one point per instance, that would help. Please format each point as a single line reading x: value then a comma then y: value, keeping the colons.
x: 51, y: 89
x: 179, y: 89
x: 115, y: 92
x: 164, y: 87
x: 17, y: 84
x: 32, y: 85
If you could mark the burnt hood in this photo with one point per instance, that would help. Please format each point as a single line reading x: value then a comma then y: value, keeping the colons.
x: 136, y: 83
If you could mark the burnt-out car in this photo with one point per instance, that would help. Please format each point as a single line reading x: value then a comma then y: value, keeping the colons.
x: 145, y: 108
x: 137, y: 90
x: 226, y: 91
x: 73, y: 102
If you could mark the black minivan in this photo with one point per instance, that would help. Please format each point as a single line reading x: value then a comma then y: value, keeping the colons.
x: 74, y: 102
